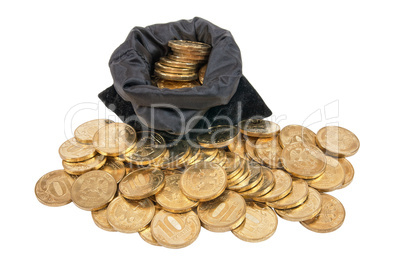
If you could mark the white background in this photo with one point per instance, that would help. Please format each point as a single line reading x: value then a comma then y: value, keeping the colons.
x: 301, y: 56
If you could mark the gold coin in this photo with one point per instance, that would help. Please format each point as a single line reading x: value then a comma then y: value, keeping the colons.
x: 100, y: 219
x: 171, y: 197
x: 93, y: 190
x: 332, y: 178
x: 218, y: 136
x: 195, y: 152
x: 114, y: 139
x: 178, y: 64
x: 147, y: 236
x: 241, y: 176
x: 175, y: 70
x: 232, y: 164
x: 162, y: 83
x: 149, y: 147
x: 251, y: 152
x: 79, y: 168
x: 130, y: 216
x: 306, y: 211
x: 296, y: 133
x: 220, y: 158
x: 130, y: 167
x: 348, y: 170
x: 86, y: 131
x: 330, y: 218
x: 176, y: 77
x: 191, y: 56
x: 337, y: 141
x: 259, y: 128
x: 263, y: 187
x: 54, y: 188
x: 303, y: 161
x: 190, y: 53
x: 224, y: 213
x: 189, y: 45
x: 295, y: 198
x: 203, y: 181
x: 142, y: 183
x: 250, y: 181
x: 73, y: 151
x: 260, y: 223
x: 201, y: 73
x: 177, y: 153
x: 173, y: 230
x: 238, y: 147
x: 115, y: 168
x: 185, y: 59
x: 282, y: 187
x: 269, y: 151
x: 209, y: 154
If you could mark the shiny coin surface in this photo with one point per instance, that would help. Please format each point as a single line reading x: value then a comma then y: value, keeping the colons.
x: 348, y: 170
x: 250, y: 181
x: 232, y: 164
x: 269, y: 151
x: 238, y: 147
x: 209, y: 154
x: 93, y: 190
x: 295, y: 198
x: 78, y: 168
x: 114, y: 139
x: 176, y: 77
x: 203, y: 181
x: 242, y: 175
x: 337, y: 141
x: 173, y: 230
x: 54, y: 188
x: 296, y: 133
x: 220, y: 158
x: 224, y: 213
x: 184, y: 58
x: 100, y: 219
x: 171, y: 197
x: 115, y: 168
x: 167, y: 69
x: 175, y: 155
x: 149, y: 147
x: 282, y: 187
x: 303, y: 161
x: 86, y: 131
x: 251, y: 150
x: 189, y: 45
x: 263, y: 187
x: 260, y: 223
x: 330, y: 218
x: 130, y: 216
x: 306, y: 211
x: 173, y: 63
x: 218, y: 136
x: 147, y: 236
x: 142, y: 183
x: 332, y: 178
x: 194, y: 154
x: 259, y: 128
x: 201, y: 73
x: 177, y: 84
x: 73, y: 151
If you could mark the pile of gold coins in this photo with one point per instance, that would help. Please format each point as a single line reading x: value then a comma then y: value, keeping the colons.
x: 231, y: 178
x: 185, y: 66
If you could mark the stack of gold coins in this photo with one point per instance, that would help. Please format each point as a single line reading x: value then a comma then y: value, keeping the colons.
x: 231, y: 178
x: 185, y: 66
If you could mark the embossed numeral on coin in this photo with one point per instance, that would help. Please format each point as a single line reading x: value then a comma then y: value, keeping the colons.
x: 223, y: 211
x: 171, y: 224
